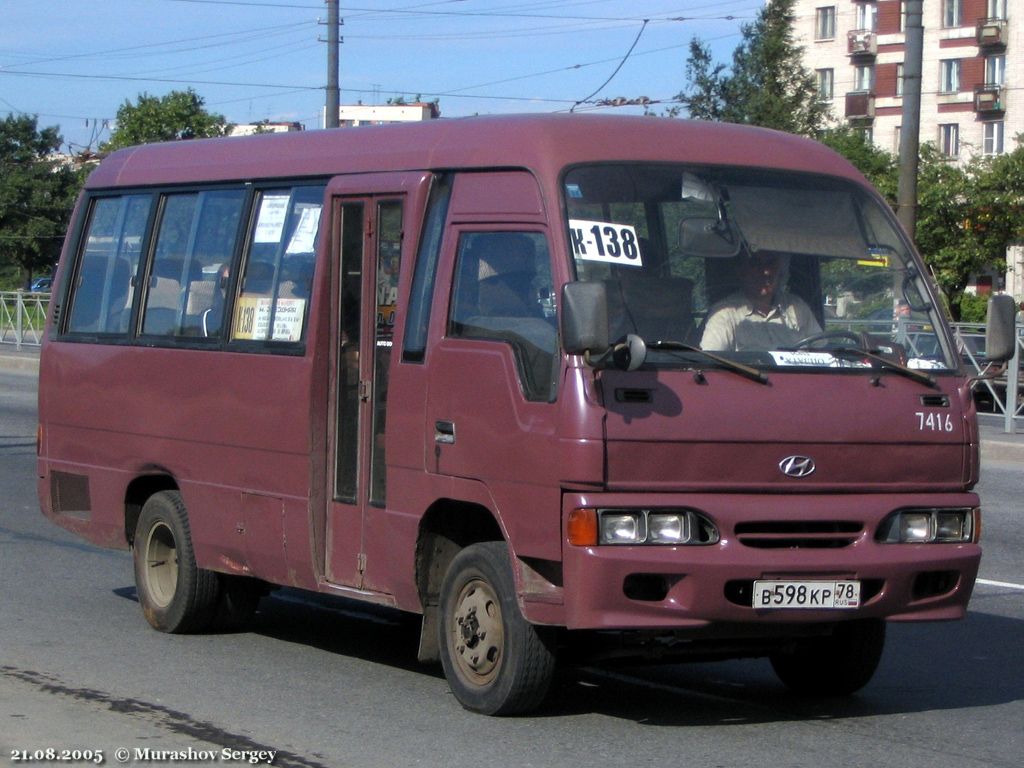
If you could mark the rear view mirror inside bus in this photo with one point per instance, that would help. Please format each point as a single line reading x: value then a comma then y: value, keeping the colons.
x: 708, y: 237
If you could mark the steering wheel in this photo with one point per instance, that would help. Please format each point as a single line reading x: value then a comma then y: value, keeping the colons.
x: 847, y: 335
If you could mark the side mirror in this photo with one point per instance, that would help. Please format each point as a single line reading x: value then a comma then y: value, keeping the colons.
x: 585, y: 318
x: 1001, y: 331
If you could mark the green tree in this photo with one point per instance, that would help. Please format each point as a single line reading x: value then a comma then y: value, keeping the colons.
x: 948, y: 208
x: 766, y: 85
x: 178, y: 115
x: 705, y: 98
x: 877, y: 165
x: 37, y: 193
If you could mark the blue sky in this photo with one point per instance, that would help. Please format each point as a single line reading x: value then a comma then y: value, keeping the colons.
x: 73, y: 63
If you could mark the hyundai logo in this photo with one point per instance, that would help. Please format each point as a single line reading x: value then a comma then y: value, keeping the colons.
x: 797, y: 466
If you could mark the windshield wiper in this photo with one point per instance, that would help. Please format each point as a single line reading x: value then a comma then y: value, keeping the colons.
x: 730, y: 365
x: 885, y: 363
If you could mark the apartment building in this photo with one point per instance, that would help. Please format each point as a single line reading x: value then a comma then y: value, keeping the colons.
x: 972, y: 88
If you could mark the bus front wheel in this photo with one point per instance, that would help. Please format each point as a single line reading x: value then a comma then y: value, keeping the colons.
x: 175, y: 595
x: 496, y: 662
x: 835, y: 665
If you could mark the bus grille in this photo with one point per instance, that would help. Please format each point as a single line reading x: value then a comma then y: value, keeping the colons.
x: 799, y: 534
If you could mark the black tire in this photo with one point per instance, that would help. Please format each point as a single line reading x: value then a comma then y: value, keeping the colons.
x: 495, y: 661
x: 175, y: 595
x: 835, y: 665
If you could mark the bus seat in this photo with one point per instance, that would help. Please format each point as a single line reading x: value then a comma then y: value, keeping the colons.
x: 507, y: 268
x: 657, y: 308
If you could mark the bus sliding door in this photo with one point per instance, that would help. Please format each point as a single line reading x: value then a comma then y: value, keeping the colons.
x: 367, y: 244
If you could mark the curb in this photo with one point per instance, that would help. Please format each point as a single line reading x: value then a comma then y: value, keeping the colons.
x: 20, y: 361
x: 1001, y: 450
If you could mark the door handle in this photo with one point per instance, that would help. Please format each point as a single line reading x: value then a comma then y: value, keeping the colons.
x: 444, y: 432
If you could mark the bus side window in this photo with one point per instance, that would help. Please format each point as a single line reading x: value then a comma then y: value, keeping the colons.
x: 502, y: 292
x: 196, y: 235
x: 101, y: 300
x: 277, y: 280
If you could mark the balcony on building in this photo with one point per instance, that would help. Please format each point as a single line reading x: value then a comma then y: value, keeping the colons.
x: 991, y: 33
x: 860, y: 105
x: 989, y: 99
x: 861, y: 43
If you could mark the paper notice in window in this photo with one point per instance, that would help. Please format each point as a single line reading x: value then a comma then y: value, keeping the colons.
x: 304, y: 235
x: 288, y: 319
x: 270, y: 223
x: 253, y: 319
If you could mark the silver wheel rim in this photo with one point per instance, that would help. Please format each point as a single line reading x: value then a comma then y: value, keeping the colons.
x: 477, y: 633
x: 161, y: 565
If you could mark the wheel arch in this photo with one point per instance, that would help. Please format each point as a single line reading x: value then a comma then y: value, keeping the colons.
x: 138, y: 492
x: 448, y: 526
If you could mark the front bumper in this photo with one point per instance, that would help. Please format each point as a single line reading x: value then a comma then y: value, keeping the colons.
x: 697, y: 587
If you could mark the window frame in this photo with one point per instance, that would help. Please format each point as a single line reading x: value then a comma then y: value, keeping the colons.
x: 826, y: 82
x: 952, y: 14
x: 242, y: 261
x: 950, y: 76
x: 949, y: 140
x: 71, y: 284
x: 460, y: 237
x: 993, y: 137
x: 825, y: 22
x: 163, y: 196
x: 157, y: 194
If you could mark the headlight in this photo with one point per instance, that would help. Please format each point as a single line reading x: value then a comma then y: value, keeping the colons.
x: 931, y: 526
x: 674, y: 527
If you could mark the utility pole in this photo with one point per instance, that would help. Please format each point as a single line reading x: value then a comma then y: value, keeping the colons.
x: 333, y: 101
x: 906, y: 195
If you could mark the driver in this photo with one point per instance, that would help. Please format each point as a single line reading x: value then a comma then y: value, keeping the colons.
x: 762, y: 314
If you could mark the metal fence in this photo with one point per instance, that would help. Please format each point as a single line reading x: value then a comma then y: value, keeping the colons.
x: 23, y: 318
x: 1001, y: 391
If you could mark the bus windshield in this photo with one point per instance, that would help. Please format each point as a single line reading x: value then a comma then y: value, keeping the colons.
x: 771, y: 269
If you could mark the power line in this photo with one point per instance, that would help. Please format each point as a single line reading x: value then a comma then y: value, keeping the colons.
x: 613, y: 74
x: 132, y: 48
x: 412, y: 11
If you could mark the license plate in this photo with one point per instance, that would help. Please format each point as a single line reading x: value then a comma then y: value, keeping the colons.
x: 806, y: 594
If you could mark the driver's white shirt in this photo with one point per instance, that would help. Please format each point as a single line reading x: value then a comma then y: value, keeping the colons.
x: 791, y: 317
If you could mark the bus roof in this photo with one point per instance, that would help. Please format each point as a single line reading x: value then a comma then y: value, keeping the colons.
x: 538, y: 142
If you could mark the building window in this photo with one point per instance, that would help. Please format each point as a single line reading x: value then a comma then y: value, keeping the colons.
x: 897, y: 138
x: 864, y: 78
x: 825, y: 23
x: 952, y: 13
x: 949, y: 139
x: 949, y: 75
x: 993, y: 138
x: 903, y: 16
x: 995, y: 69
x: 996, y: 9
x: 867, y: 16
x: 826, y: 84
x: 899, y: 79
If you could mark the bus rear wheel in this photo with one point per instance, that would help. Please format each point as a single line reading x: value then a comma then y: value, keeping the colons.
x: 176, y: 596
x: 835, y: 665
x: 496, y: 662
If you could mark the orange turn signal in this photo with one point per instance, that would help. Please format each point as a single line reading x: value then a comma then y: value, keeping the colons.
x: 582, y: 527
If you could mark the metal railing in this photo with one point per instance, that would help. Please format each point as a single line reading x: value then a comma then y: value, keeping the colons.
x: 23, y: 318
x: 1004, y: 389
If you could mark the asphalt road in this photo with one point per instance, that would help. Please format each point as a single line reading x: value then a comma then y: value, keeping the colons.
x: 332, y: 683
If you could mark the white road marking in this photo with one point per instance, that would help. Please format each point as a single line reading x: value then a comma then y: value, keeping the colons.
x: 1004, y: 584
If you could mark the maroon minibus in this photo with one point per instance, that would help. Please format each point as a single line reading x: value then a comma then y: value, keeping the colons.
x: 569, y: 387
